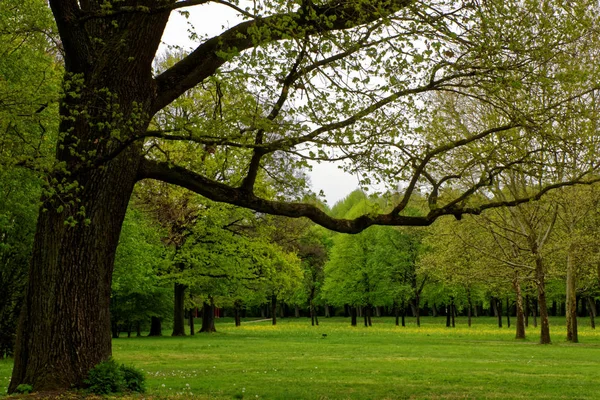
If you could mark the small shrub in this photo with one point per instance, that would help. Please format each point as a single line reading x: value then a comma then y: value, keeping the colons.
x: 109, y: 377
x: 134, y: 378
x: 24, y: 388
x: 105, y: 378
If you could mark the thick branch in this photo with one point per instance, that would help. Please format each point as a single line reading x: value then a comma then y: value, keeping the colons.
x: 210, y: 55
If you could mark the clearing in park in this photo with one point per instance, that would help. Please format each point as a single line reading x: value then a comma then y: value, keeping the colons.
x: 296, y: 361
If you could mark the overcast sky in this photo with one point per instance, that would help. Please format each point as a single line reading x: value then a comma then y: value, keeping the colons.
x: 211, y: 20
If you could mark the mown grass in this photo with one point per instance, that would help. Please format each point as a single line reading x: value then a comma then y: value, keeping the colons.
x: 295, y: 361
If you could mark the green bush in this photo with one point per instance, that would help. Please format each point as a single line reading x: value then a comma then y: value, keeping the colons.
x: 24, y: 388
x: 134, y: 378
x: 110, y: 377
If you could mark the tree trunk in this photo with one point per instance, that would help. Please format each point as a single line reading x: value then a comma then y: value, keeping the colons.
x: 369, y: 314
x: 138, y: 329
x: 155, y: 327
x: 274, y: 309
x: 448, y: 317
x: 499, y: 308
x: 534, y: 312
x: 507, y: 312
x: 346, y: 310
x: 434, y: 310
x: 417, y: 311
x: 208, y: 317
x: 64, y: 328
x: 571, y: 299
x: 397, y: 313
x: 327, y: 311
x: 191, y: 321
x: 453, y: 314
x: 542, y: 304
x: 353, y: 316
x: 403, y: 314
x: 592, y: 311
x: 297, y: 311
x: 527, y: 311
x: 179, y: 310
x: 519, y: 305
x: 115, y: 329
x: 494, y: 305
x: 469, y: 307
x: 237, y: 305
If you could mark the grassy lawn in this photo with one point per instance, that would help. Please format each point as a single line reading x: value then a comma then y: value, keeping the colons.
x: 295, y: 361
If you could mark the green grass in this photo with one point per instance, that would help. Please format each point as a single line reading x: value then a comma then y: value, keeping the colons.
x: 294, y: 361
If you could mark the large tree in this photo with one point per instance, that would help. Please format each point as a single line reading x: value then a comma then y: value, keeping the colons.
x: 329, y: 80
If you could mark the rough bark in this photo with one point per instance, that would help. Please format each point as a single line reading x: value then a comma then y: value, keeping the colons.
x: 179, y: 310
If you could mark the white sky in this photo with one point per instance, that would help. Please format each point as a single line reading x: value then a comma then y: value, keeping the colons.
x: 211, y: 20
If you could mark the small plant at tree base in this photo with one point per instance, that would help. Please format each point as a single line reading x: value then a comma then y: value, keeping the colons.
x: 109, y: 377
x: 24, y: 388
x: 134, y: 378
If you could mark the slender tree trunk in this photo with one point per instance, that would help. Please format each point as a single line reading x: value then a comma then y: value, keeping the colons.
x: 507, y: 312
x: 237, y: 305
x: 534, y: 312
x: 346, y: 310
x: 179, y: 310
x: 520, y: 314
x: 397, y: 313
x: 327, y: 311
x: 453, y: 312
x: 494, y: 304
x: 353, y: 316
x: 403, y: 314
x: 469, y: 307
x: 191, y: 321
x: 417, y: 312
x: 592, y: 312
x: 448, y: 316
x: 527, y: 310
x: 115, y: 329
x: 434, y: 310
x: 296, y: 311
x: 499, y: 308
x: 155, y: 327
x: 274, y: 309
x: 571, y: 299
x: 542, y: 304
x: 369, y: 313
x: 138, y: 329
x: 208, y: 317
